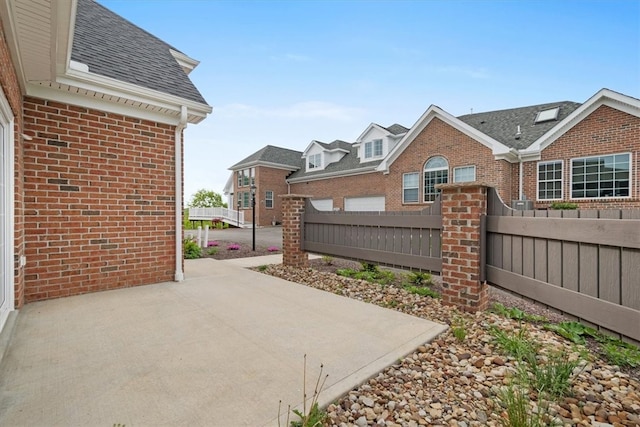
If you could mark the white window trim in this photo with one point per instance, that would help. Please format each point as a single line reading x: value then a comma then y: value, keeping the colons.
x: 373, y: 155
x: 7, y: 169
x: 538, y: 199
x: 464, y: 167
x: 424, y: 172
x: 417, y: 187
x: 601, y: 198
x: 315, y: 167
x: 267, y: 198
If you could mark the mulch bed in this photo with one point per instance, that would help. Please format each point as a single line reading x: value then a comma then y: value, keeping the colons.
x: 221, y: 251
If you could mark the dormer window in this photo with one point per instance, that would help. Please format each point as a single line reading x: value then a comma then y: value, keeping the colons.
x: 547, y: 115
x: 373, y: 149
x: 314, y: 161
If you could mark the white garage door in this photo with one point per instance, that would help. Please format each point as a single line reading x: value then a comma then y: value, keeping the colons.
x: 363, y: 204
x: 322, y: 204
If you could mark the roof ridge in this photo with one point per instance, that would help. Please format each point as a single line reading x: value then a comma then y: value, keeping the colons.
x: 521, y: 108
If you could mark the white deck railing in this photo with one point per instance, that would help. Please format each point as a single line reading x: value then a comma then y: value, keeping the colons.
x: 207, y: 214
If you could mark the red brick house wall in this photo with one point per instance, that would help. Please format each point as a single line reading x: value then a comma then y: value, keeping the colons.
x: 99, y: 200
x: 369, y: 184
x: 11, y: 90
x: 605, y: 131
x: 269, y: 179
x: 440, y: 139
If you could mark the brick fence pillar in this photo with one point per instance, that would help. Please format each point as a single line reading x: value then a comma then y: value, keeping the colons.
x: 462, y: 207
x: 292, y: 211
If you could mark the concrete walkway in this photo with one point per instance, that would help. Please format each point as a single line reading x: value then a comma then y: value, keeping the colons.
x: 220, y: 349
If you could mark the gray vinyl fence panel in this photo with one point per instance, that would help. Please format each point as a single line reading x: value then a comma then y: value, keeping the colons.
x: 585, y: 263
x: 400, y: 239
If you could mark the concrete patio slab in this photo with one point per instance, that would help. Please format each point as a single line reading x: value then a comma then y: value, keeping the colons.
x: 221, y: 348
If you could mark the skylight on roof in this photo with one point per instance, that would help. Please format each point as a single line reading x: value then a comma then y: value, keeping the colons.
x: 546, y: 115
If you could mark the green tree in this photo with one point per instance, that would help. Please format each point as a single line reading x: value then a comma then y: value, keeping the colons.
x: 206, y: 199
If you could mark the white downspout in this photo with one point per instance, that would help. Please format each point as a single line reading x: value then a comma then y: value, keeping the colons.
x: 520, y: 183
x: 182, y: 124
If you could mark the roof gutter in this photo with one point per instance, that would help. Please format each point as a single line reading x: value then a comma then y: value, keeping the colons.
x: 182, y: 124
x: 338, y: 174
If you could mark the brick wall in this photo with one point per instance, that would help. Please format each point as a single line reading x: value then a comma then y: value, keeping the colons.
x: 369, y: 184
x: 270, y: 179
x: 462, y: 207
x: 99, y: 200
x: 11, y: 90
x: 440, y: 139
x: 605, y: 131
x: 293, y: 206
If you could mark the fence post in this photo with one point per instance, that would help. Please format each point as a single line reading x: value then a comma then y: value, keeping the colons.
x: 463, y: 206
x: 292, y: 212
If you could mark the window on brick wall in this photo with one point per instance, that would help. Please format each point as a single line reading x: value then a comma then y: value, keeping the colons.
x: 601, y: 176
x: 268, y: 199
x: 246, y: 177
x: 464, y: 174
x: 246, y: 199
x: 436, y: 171
x: 410, y: 191
x: 550, y: 180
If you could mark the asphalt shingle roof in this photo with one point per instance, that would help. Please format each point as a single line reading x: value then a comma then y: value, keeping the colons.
x: 502, y: 125
x: 397, y: 129
x: 349, y: 162
x: 114, y: 47
x: 272, y: 154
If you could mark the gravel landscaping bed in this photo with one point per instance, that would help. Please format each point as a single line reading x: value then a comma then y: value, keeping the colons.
x: 456, y: 382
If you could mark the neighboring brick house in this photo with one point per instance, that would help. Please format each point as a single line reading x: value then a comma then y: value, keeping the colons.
x: 562, y: 151
x: 92, y: 110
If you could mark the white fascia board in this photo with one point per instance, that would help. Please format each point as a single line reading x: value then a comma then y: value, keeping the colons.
x: 187, y: 63
x: 109, y: 86
x: 263, y: 163
x: 310, y: 146
x: 334, y: 150
x: 228, y: 187
x: 66, y: 97
x: 366, y: 131
x: 338, y: 174
x: 436, y: 112
x: 62, y: 30
x: 606, y: 97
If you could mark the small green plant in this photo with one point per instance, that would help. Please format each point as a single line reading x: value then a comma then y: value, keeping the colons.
x: 553, y: 378
x: 515, y: 313
x: 514, y: 398
x: 459, y: 328
x: 371, y: 268
x: 621, y: 353
x: 327, y: 260
x: 574, y: 331
x: 262, y: 267
x: 314, y: 417
x: 346, y: 272
x: 191, y: 249
x: 212, y: 251
x: 369, y: 276
x: 422, y: 291
x: 519, y: 346
x: 419, y: 278
x: 564, y: 205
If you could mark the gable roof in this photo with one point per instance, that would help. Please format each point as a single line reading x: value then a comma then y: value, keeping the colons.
x: 272, y: 156
x: 503, y: 125
x: 397, y: 129
x: 113, y: 47
x: 348, y: 165
x: 434, y: 112
x: 78, y: 52
x: 604, y: 96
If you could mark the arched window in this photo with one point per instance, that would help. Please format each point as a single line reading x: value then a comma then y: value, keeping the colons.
x: 436, y: 171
